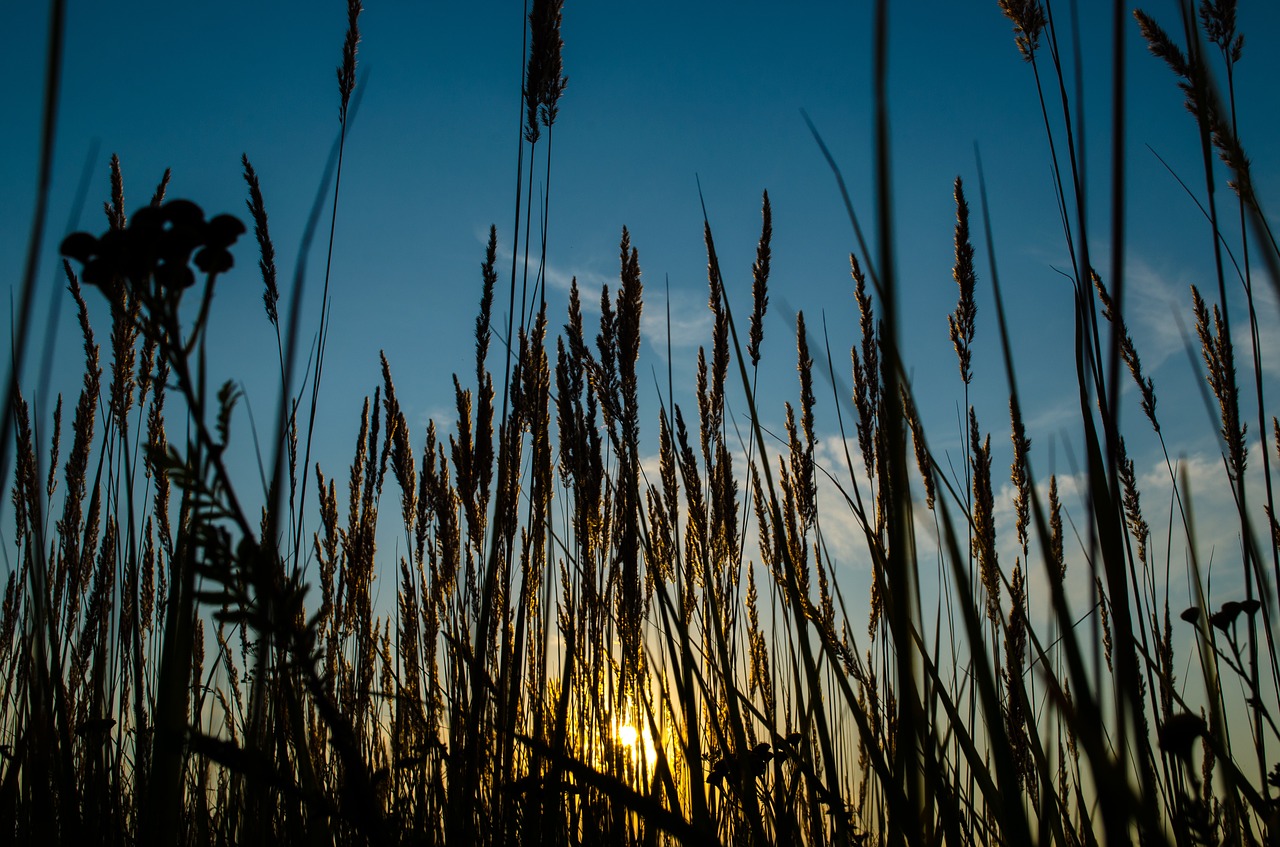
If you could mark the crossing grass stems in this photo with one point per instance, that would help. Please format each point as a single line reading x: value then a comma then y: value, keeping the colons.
x: 593, y: 645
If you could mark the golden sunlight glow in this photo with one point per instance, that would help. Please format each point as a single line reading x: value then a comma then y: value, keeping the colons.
x: 636, y: 741
x: 628, y: 736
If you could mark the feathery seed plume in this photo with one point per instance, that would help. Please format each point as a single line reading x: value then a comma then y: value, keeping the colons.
x: 1028, y: 22
x: 347, y: 70
x: 962, y: 321
x: 760, y: 283
x: 267, y: 264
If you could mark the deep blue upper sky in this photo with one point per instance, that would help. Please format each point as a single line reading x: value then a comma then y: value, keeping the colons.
x: 661, y: 95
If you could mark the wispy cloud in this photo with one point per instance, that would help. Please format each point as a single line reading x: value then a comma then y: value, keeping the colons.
x: 1157, y: 310
x: 590, y: 275
x: 1265, y: 304
x: 682, y: 317
x: 1213, y: 521
x: 684, y: 320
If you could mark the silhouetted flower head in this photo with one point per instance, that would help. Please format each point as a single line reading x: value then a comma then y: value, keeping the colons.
x: 157, y: 245
x: 754, y: 763
x: 1179, y: 733
x: 1226, y: 616
x: 786, y: 748
x: 94, y: 726
x: 1190, y: 615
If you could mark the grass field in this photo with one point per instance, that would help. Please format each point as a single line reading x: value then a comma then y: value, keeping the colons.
x: 616, y: 625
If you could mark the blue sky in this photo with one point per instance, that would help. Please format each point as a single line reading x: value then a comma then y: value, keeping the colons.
x: 661, y: 95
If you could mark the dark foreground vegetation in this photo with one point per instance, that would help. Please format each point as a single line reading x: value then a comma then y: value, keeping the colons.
x: 594, y: 645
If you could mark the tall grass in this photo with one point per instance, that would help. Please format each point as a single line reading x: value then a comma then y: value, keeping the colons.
x: 594, y: 644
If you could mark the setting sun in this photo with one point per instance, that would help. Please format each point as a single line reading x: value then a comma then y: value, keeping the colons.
x: 628, y: 735
x: 633, y: 739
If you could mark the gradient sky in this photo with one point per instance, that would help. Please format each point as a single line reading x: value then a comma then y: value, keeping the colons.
x: 661, y: 95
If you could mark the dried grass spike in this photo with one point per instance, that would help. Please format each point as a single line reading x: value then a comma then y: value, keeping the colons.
x: 158, y: 197
x: 347, y: 70
x: 1161, y: 45
x: 266, y: 264
x: 1028, y: 22
x: 760, y: 283
x: 115, y: 209
x: 963, y: 320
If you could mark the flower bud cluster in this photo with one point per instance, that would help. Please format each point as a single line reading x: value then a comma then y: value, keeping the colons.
x: 156, y: 249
